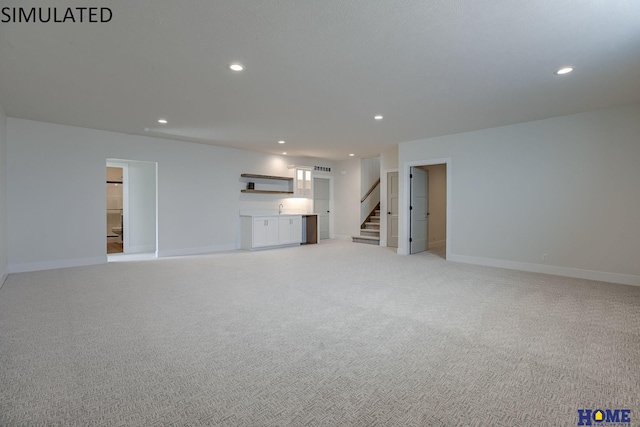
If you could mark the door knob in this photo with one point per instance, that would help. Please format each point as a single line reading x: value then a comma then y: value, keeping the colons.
x: 388, y: 213
x: 327, y: 211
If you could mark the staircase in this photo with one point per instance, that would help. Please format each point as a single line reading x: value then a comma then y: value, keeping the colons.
x: 370, y: 229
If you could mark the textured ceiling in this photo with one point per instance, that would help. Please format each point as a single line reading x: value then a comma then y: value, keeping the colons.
x: 318, y: 71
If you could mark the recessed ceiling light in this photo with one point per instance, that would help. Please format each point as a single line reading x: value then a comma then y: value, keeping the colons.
x: 162, y: 121
x: 351, y: 155
x: 285, y: 153
x: 280, y: 142
x: 378, y: 117
x: 236, y: 67
x: 564, y: 70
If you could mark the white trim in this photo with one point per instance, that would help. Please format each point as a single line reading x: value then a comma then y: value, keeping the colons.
x: 403, y: 232
x: 120, y: 257
x: 384, y: 189
x: 601, y: 276
x: 3, y: 278
x: 198, y: 251
x: 157, y: 202
x: 50, y: 265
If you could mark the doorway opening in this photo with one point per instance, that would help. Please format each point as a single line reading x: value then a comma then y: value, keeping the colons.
x: 131, y: 206
x: 115, y: 207
x: 322, y: 206
x: 427, y: 224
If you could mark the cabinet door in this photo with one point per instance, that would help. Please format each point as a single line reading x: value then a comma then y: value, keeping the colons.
x: 290, y: 230
x: 259, y: 232
x: 284, y: 231
x: 296, y: 229
x: 302, y: 184
x: 265, y: 232
x: 272, y: 232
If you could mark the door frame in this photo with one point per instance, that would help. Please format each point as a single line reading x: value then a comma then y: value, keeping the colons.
x: 125, y: 164
x: 405, y: 198
x: 384, y: 189
x: 313, y: 201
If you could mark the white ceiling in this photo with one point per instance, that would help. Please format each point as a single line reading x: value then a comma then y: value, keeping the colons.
x: 318, y: 71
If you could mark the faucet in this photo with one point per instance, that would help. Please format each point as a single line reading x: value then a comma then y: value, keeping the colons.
x: 280, y: 209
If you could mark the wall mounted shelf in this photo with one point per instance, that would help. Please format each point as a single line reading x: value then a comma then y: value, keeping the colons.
x: 280, y: 188
x: 266, y: 192
x: 251, y: 175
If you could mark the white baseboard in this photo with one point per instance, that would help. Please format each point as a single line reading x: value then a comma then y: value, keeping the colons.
x: 50, y: 265
x: 601, y: 276
x: 198, y: 251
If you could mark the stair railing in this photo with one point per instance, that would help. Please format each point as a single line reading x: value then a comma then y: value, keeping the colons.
x: 369, y: 202
x: 373, y: 187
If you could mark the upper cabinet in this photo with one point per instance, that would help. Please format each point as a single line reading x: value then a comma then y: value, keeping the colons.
x: 302, y: 183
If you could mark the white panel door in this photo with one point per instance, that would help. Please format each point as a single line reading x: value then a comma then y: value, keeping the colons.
x: 419, y: 210
x: 321, y: 200
x: 392, y: 209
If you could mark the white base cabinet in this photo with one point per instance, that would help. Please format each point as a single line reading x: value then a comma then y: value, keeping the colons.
x: 265, y: 232
x: 290, y: 230
x: 270, y: 231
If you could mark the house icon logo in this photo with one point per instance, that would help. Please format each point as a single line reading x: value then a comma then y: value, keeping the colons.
x: 604, y: 417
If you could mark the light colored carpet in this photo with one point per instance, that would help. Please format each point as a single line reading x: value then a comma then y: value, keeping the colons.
x: 336, y: 334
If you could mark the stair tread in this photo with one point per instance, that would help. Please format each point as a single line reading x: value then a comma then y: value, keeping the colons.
x: 365, y: 237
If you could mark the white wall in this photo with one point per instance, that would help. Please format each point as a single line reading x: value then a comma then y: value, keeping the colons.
x: 369, y: 174
x: 56, y: 195
x: 142, y: 207
x: 347, y: 199
x: 3, y: 198
x: 567, y: 187
x: 389, y: 160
